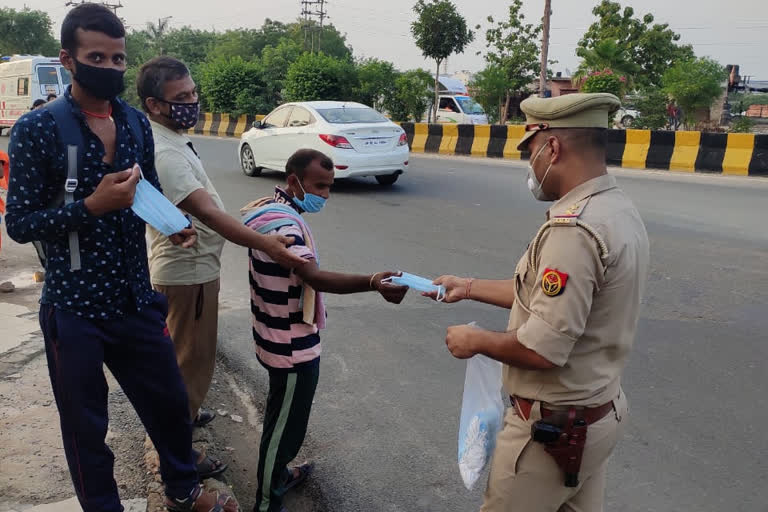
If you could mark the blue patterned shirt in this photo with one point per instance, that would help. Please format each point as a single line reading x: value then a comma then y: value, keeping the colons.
x: 114, y: 278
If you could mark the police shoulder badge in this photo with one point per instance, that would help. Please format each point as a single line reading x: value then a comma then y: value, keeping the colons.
x: 553, y: 282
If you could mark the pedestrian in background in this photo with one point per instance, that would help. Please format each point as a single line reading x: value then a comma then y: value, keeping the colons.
x: 98, y: 306
x: 191, y: 279
x: 574, y: 297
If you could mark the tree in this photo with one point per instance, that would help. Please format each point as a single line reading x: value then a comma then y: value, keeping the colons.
x: 156, y: 32
x: 490, y: 89
x: 513, y: 50
x: 190, y: 45
x: 439, y: 31
x: 652, y: 106
x: 276, y: 60
x: 233, y: 85
x: 605, y: 81
x: 411, y: 96
x: 651, y: 46
x: 26, y: 32
x: 695, y: 84
x: 377, y: 82
x: 607, y: 54
x: 320, y: 77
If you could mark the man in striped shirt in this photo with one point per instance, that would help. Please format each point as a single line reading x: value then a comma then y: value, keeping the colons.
x: 288, y: 314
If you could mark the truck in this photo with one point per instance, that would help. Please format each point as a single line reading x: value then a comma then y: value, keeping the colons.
x: 456, y: 105
x: 26, y: 78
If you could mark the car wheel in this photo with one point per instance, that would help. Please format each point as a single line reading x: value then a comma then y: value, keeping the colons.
x: 248, y: 161
x: 387, y: 180
x: 627, y: 121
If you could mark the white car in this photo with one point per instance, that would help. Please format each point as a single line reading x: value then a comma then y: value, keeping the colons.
x: 359, y: 140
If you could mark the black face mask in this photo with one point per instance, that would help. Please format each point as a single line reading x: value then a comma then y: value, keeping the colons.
x: 103, y: 83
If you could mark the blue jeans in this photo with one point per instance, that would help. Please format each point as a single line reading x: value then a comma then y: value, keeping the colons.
x: 139, y: 352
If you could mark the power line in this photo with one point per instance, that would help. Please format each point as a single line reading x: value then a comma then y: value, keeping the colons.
x: 313, y: 14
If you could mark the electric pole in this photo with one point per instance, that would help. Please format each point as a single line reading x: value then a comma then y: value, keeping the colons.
x: 313, y: 14
x: 545, y: 48
x: 110, y: 6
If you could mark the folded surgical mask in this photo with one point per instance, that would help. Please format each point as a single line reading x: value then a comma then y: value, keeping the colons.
x: 156, y: 210
x: 416, y: 283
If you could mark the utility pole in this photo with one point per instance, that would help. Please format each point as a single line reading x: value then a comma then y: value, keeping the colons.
x: 313, y: 14
x: 545, y: 48
x: 111, y: 6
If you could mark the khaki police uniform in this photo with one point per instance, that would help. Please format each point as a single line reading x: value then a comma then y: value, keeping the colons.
x: 578, y: 289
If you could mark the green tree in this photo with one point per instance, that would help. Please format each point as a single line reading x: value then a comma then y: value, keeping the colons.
x: 694, y: 84
x: 652, y: 105
x: 233, y: 86
x: 276, y: 60
x: 489, y: 88
x: 653, y: 47
x: 439, y: 31
x: 605, y: 81
x: 157, y: 32
x: 607, y: 54
x: 26, y: 32
x: 189, y: 45
x: 513, y: 50
x: 411, y: 96
x: 320, y: 77
x: 377, y: 82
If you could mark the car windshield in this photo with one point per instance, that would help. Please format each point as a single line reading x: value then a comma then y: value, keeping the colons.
x: 351, y: 115
x: 469, y: 106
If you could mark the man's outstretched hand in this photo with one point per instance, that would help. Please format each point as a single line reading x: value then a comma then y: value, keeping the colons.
x: 391, y: 292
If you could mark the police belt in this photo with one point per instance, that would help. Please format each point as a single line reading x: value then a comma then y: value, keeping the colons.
x: 590, y: 415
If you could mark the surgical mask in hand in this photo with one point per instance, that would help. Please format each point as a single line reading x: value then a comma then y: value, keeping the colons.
x: 311, y: 203
x: 156, y: 210
x: 417, y: 283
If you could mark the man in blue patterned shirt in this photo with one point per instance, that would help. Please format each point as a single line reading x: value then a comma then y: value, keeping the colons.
x: 105, y: 312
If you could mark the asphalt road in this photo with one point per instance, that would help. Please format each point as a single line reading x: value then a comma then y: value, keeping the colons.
x: 384, y: 425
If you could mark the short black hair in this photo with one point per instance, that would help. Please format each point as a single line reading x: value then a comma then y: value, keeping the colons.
x: 594, y: 139
x: 299, y: 161
x: 154, y: 74
x: 51, y: 96
x: 37, y: 103
x: 94, y: 17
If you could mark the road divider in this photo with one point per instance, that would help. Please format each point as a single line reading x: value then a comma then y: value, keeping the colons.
x: 738, y: 154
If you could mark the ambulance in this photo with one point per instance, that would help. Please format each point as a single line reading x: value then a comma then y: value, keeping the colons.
x: 26, y: 78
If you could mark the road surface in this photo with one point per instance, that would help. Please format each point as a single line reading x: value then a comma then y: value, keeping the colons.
x: 384, y: 424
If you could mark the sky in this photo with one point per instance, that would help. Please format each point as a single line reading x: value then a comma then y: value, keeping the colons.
x: 732, y: 32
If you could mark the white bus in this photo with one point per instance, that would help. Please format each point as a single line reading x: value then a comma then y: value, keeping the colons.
x: 26, y: 78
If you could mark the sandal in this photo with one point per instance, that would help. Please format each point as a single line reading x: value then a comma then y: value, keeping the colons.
x: 210, y: 468
x: 305, y: 471
x: 188, y: 503
x: 204, y: 417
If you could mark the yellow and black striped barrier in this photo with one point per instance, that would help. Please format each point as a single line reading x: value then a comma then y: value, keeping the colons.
x: 739, y: 154
x: 224, y: 125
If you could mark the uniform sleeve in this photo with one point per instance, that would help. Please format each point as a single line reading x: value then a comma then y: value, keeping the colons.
x: 557, y: 321
x: 176, y: 176
x: 32, y: 149
x: 299, y: 248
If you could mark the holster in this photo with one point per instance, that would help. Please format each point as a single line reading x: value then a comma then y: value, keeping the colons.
x: 567, y: 449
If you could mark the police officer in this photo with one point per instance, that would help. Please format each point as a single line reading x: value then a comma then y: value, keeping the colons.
x: 574, y: 298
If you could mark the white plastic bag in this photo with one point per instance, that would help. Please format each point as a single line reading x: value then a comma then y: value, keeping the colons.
x: 482, y: 412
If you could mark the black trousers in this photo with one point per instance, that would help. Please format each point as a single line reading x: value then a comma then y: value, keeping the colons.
x: 285, y: 425
x: 139, y: 352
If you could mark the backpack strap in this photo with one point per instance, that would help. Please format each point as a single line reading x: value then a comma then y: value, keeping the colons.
x: 71, y: 137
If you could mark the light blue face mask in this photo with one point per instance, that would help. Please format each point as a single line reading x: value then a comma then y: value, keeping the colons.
x: 311, y: 203
x: 417, y: 283
x: 156, y: 210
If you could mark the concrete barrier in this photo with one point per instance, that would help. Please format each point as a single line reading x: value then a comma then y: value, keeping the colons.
x: 732, y: 153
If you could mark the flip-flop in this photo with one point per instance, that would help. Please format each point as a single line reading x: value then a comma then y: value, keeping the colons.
x: 188, y: 504
x: 305, y: 471
x: 204, y: 417
x: 210, y: 468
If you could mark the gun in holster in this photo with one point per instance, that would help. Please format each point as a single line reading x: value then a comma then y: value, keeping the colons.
x: 564, y: 443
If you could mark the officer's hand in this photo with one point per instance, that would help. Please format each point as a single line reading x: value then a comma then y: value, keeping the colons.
x: 391, y: 292
x: 459, y: 341
x: 114, y: 192
x: 455, y: 288
x: 185, y: 238
x: 276, y: 248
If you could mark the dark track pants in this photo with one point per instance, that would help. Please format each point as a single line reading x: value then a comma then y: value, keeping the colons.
x: 139, y: 352
x: 285, y: 425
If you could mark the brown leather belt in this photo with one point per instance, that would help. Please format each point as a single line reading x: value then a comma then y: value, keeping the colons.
x: 590, y: 415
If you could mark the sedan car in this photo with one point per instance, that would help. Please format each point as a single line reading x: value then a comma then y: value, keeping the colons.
x: 359, y: 140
